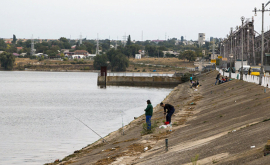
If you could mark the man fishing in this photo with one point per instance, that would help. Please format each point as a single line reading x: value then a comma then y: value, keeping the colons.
x: 170, y: 111
x: 148, y: 114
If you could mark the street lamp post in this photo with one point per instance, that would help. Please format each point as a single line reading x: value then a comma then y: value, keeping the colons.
x: 231, y: 54
x: 242, y: 36
x: 263, y: 10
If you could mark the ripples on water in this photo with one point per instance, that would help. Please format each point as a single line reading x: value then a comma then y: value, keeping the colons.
x: 35, y: 125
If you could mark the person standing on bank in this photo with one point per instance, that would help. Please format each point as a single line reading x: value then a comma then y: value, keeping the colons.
x: 170, y: 111
x: 148, y: 114
x: 217, y: 79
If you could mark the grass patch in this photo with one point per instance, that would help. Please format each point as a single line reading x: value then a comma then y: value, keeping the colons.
x: 108, y: 160
x: 195, y: 159
x: 125, y: 141
x: 265, y: 120
x: 162, y: 135
x: 153, y: 127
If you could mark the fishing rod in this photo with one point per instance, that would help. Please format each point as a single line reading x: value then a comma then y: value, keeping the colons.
x: 88, y: 127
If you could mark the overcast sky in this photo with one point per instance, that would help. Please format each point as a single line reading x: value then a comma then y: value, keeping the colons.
x: 115, y: 18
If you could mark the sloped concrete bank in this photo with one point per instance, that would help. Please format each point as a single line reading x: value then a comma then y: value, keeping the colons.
x: 217, y: 124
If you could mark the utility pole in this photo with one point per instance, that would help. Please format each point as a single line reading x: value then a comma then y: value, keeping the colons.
x: 242, y: 41
x: 32, y: 46
x: 213, y: 49
x: 262, y: 51
x: 116, y: 43
x: 97, y: 49
x: 231, y: 56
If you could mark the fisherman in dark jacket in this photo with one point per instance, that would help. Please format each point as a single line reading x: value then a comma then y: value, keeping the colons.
x: 148, y: 114
x: 217, y: 79
x: 170, y: 111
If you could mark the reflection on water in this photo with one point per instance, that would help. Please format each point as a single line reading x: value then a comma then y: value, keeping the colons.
x: 35, y: 122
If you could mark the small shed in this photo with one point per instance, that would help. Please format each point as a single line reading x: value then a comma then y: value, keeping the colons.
x: 138, y: 56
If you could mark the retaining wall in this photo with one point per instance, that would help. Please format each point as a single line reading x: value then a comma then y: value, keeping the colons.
x: 139, y: 81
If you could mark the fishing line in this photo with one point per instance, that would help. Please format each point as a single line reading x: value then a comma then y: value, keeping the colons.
x: 88, y: 127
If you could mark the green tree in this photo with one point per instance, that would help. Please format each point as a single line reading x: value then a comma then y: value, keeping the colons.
x: 14, y: 39
x: 3, y: 45
x: 189, y: 55
x: 100, y: 60
x: 63, y: 39
x: 129, y: 41
x: 7, y: 60
x: 119, y: 62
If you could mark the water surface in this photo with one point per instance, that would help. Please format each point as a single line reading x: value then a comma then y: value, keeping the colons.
x: 36, y: 108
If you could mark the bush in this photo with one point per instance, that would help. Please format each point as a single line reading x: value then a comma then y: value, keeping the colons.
x: 27, y: 66
x: 153, y: 127
x: 33, y: 57
x: 87, y: 68
x: 7, y: 60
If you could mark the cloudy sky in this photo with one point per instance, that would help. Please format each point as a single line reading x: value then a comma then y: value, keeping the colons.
x: 115, y: 18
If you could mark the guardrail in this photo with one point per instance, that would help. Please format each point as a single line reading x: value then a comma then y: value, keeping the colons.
x: 247, y: 78
x: 138, y: 74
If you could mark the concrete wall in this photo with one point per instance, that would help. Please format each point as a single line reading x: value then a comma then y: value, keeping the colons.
x: 139, y: 81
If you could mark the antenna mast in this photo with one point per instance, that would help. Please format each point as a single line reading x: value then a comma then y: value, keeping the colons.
x: 32, y: 46
x: 97, y: 45
x: 80, y: 39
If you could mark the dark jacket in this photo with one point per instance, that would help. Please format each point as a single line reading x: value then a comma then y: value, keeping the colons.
x: 169, y: 108
x: 149, y: 110
x: 218, y: 76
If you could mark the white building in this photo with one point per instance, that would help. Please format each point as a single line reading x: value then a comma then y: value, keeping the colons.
x: 138, y: 56
x: 188, y: 42
x: 201, y: 39
x: 78, y: 56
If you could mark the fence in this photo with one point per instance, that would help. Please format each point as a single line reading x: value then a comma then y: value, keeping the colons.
x: 138, y: 74
x: 247, y: 78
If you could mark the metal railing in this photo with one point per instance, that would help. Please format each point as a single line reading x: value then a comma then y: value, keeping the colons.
x: 247, y: 78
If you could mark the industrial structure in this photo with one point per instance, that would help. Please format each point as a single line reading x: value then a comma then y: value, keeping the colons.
x: 251, y: 44
x: 242, y: 40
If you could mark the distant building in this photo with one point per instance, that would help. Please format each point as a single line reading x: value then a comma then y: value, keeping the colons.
x: 22, y: 54
x: 170, y: 52
x: 64, y: 50
x: 142, y: 52
x: 203, y: 52
x: 15, y: 54
x: 78, y: 56
x: 81, y: 52
x: 201, y: 39
x: 188, y: 43
x: 157, y: 41
x: 182, y: 38
x: 19, y: 48
x: 138, y: 56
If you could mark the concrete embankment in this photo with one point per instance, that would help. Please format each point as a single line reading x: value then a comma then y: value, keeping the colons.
x: 155, y: 81
x: 215, y: 124
x: 55, y: 67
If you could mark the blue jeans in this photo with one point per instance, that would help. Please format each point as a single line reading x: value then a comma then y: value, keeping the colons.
x: 217, y: 81
x: 169, y: 115
x: 148, y: 121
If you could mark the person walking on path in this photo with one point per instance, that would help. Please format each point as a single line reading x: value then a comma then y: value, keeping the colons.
x: 190, y: 79
x: 148, y: 114
x: 217, y: 79
x: 170, y: 111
